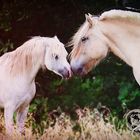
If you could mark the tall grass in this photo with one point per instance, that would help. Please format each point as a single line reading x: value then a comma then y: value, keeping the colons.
x: 89, y: 125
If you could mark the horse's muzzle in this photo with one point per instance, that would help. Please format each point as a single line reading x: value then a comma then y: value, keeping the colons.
x: 78, y: 71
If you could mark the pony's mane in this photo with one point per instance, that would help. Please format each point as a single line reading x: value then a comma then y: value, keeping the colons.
x: 120, y: 14
x: 24, y: 57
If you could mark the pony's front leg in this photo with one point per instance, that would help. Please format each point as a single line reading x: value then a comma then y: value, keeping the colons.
x: 21, y: 117
x: 8, y: 116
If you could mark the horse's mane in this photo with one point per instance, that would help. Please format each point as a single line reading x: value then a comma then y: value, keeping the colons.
x: 120, y: 14
x: 112, y: 14
x: 77, y: 37
x: 24, y: 57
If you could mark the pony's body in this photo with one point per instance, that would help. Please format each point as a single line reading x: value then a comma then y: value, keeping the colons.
x: 117, y: 31
x: 17, y: 75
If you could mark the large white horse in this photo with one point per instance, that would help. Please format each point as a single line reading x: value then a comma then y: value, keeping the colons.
x: 116, y: 31
x: 17, y: 75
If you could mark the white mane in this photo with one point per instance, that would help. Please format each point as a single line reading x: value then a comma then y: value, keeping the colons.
x: 24, y: 57
x: 120, y: 14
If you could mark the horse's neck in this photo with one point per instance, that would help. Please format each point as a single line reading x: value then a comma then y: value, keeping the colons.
x: 123, y: 39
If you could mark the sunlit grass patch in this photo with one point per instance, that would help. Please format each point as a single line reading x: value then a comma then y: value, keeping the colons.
x: 89, y: 125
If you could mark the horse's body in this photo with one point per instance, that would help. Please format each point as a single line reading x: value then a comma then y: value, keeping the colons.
x: 117, y: 31
x: 17, y: 75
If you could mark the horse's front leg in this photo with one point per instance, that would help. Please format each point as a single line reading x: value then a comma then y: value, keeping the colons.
x: 8, y: 116
x: 21, y: 117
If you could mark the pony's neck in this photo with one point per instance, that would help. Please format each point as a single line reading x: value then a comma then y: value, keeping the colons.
x: 119, y: 37
x: 26, y: 60
x: 37, y: 63
x: 38, y: 57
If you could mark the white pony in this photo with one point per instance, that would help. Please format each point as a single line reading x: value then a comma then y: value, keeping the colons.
x: 116, y: 31
x: 17, y: 75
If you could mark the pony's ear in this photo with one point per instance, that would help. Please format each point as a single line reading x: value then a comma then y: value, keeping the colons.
x: 89, y: 15
x: 55, y: 37
x: 89, y: 19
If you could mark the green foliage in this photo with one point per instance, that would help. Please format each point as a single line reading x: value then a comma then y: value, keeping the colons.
x: 39, y: 111
x: 109, y: 84
x: 5, y: 20
x: 5, y: 47
x: 77, y: 91
x: 120, y: 124
x: 129, y: 94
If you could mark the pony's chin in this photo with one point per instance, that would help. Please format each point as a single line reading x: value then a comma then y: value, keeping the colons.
x: 63, y: 76
x: 57, y: 73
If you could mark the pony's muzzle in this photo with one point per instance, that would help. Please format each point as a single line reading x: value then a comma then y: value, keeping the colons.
x: 66, y: 73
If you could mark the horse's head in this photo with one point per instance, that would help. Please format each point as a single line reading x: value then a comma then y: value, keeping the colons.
x: 89, y: 47
x: 56, y: 58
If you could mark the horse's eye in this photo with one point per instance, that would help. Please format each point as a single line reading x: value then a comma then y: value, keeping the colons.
x: 56, y: 57
x: 84, y: 39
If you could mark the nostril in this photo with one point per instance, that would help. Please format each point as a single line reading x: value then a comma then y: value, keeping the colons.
x: 68, y: 73
x: 72, y: 69
x: 60, y: 71
x: 79, y: 70
x: 65, y: 68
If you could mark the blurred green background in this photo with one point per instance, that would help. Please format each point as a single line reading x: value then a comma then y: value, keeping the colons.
x: 112, y: 83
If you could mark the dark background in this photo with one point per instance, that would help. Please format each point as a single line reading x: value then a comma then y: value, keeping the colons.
x: 47, y: 17
x: 22, y: 19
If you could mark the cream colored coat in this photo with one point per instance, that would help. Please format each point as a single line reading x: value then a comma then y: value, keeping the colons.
x: 116, y: 31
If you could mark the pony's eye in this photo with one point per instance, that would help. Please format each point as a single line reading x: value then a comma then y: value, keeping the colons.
x: 83, y: 39
x: 56, y: 57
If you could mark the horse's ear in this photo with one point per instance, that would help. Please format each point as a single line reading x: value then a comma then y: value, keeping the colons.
x: 89, y: 19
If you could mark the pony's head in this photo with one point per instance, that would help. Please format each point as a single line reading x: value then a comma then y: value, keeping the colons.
x: 56, y: 58
x: 88, y: 46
